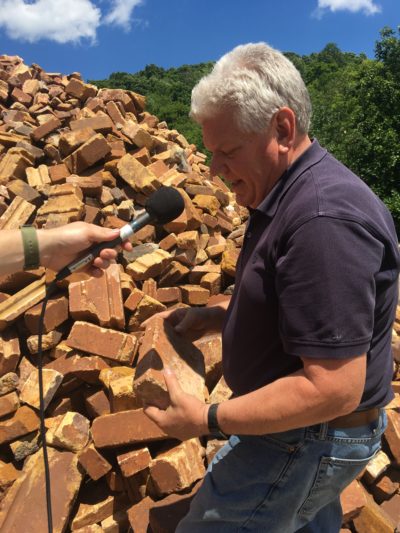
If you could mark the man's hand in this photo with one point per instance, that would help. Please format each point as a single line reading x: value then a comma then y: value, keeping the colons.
x: 194, y: 322
x: 186, y: 416
x: 60, y: 246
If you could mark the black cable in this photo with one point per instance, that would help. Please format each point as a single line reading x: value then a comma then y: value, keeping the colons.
x: 49, y: 290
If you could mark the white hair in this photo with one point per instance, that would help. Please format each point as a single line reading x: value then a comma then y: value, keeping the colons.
x: 254, y: 81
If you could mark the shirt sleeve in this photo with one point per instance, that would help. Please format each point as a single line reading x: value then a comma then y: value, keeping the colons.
x: 325, y: 282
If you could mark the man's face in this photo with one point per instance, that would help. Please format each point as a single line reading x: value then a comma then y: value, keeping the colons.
x: 249, y: 162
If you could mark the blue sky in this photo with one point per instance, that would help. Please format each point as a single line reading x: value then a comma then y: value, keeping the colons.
x: 98, y: 37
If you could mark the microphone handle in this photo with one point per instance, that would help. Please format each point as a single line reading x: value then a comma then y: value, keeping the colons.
x: 88, y: 258
x: 94, y: 251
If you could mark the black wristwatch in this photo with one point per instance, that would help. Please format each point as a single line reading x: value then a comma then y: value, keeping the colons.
x: 212, y: 421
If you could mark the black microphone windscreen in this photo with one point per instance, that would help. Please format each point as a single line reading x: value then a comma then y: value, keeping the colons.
x: 165, y: 204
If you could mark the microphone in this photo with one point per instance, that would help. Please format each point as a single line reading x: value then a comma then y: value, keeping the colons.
x: 164, y: 205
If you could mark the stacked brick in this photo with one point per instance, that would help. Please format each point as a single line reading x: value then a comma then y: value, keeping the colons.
x: 68, y: 152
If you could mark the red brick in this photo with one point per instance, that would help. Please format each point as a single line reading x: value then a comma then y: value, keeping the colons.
x: 107, y: 343
x: 99, y: 299
x: 46, y: 128
x: 56, y: 313
x: 126, y: 427
x: 94, y: 463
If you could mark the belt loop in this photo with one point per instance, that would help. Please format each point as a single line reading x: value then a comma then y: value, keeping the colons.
x: 323, y: 431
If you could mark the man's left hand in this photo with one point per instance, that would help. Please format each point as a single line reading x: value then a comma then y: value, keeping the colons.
x: 185, y: 417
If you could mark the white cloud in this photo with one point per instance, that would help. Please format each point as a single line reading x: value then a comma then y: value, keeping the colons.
x: 121, y: 13
x: 62, y: 20
x: 369, y: 7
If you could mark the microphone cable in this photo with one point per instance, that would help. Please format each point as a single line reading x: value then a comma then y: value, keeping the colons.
x: 164, y: 205
x: 49, y: 290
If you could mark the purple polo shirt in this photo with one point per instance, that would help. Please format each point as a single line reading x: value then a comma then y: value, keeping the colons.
x: 316, y: 277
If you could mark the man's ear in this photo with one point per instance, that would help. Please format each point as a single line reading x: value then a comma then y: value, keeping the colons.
x: 285, y: 128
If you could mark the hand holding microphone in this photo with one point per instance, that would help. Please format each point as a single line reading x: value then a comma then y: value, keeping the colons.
x: 164, y: 205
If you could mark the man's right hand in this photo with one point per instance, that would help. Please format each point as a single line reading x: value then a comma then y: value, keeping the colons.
x: 194, y: 322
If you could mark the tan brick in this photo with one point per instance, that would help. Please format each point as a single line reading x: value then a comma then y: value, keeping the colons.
x: 19, y: 96
x: 58, y: 173
x: 99, y: 299
x: 229, y: 260
x: 211, y: 282
x: 146, y: 308
x: 80, y: 90
x: 126, y: 427
x: 17, y: 304
x: 194, y: 294
x: 94, y: 511
x: 31, y: 87
x: 95, y: 465
x: 89, y: 153
x: 72, y: 139
x: 178, y: 468
x: 211, y: 348
x: 30, y: 391
x: 168, y: 242
x: 49, y: 341
x: 100, y: 124
x: 17, y: 214
x: 13, y: 166
x: 115, y: 114
x: 39, y: 177
x: 199, y: 271
x: 221, y: 392
x: 207, y: 203
x: 64, y: 199
x: 150, y: 387
x: 137, y: 175
x: 173, y: 273
x: 122, y: 394
x: 169, y: 295
x: 107, y: 343
x: 24, y: 421
x: 376, y: 466
x: 56, y: 313
x: 149, y: 265
x: 70, y: 433
x: 137, y: 134
x: 161, y: 346
x: 8, y: 383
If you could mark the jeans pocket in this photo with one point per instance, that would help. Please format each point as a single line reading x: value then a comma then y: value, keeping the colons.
x: 333, y: 475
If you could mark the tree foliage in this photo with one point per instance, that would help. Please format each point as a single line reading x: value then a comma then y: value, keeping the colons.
x: 356, y: 106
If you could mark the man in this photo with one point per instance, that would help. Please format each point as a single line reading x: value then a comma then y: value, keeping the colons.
x: 306, y: 336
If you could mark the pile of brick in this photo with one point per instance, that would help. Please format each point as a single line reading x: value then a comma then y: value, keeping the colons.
x: 68, y: 152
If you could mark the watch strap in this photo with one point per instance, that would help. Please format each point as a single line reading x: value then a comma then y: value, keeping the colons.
x: 31, y: 247
x: 212, y: 422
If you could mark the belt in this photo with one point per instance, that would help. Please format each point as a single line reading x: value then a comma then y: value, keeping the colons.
x: 354, y: 419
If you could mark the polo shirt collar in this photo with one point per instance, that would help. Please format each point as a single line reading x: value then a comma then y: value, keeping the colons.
x: 312, y: 155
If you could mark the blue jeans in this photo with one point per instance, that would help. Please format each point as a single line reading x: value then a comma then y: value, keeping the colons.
x: 282, y: 482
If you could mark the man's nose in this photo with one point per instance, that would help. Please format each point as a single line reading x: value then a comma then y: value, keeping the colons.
x: 217, y: 166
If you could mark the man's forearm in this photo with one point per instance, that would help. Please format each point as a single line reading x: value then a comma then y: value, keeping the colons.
x: 288, y: 403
